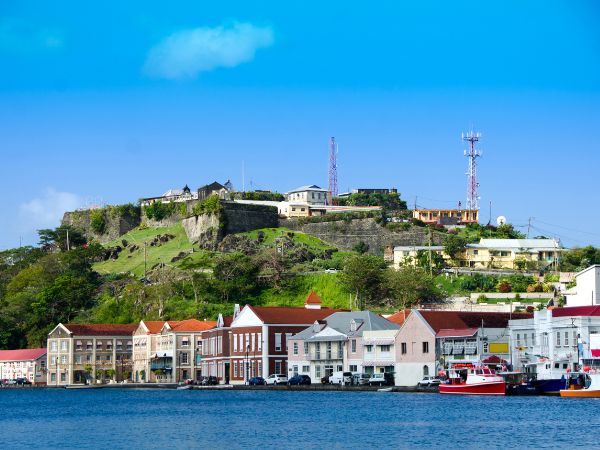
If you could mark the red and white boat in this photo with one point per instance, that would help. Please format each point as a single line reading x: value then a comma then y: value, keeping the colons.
x: 473, y: 380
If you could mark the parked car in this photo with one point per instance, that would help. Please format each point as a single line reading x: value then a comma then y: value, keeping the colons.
x: 299, y: 379
x: 429, y: 381
x: 341, y: 378
x: 325, y: 379
x: 256, y: 381
x: 360, y: 379
x: 275, y: 379
x: 210, y: 381
x: 381, y: 379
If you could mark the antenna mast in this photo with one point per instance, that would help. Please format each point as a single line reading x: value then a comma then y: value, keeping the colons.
x: 333, y: 185
x: 472, y: 184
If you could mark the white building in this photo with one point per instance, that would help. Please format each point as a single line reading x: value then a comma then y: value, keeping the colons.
x: 555, y: 340
x: 587, y: 289
x: 304, y: 201
x: 27, y: 363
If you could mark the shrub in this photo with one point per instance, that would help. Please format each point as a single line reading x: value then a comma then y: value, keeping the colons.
x: 504, y: 287
x: 482, y: 299
x: 98, y: 221
x: 212, y: 205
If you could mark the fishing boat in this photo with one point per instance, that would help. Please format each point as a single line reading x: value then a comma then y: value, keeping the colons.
x: 473, y: 380
x: 582, y: 384
x: 519, y: 383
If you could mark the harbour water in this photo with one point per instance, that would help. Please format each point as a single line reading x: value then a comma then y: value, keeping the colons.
x: 132, y: 418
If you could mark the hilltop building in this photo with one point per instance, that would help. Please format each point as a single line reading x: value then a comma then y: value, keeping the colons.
x: 587, y: 289
x: 446, y: 216
x: 185, y: 194
x: 304, y: 201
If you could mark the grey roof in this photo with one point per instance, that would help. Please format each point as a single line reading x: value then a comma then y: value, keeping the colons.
x: 341, y: 322
x: 311, y: 187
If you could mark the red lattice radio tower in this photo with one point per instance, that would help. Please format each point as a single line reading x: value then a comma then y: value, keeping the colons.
x: 472, y: 185
x: 333, y: 184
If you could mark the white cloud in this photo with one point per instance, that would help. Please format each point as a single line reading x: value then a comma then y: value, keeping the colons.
x: 47, y: 210
x: 186, y: 53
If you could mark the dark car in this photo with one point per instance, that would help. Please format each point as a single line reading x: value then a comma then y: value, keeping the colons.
x: 210, y: 381
x: 256, y: 381
x: 22, y: 381
x: 299, y: 379
x: 325, y: 379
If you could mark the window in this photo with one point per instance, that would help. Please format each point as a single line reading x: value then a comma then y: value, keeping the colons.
x: 98, y: 345
x: 78, y: 359
x: 532, y: 339
x: 288, y: 336
x: 241, y: 348
x: 88, y: 346
x: 525, y: 338
x: 235, y: 371
x: 295, y: 347
x: 353, y: 368
x: 277, y: 366
x: 353, y: 345
x: 566, y: 338
x: 329, y: 350
x: 252, y: 341
x: 403, y: 348
x: 53, y: 346
x: 259, y: 367
x: 556, y: 365
x: 63, y: 359
x: 476, y: 252
x: 305, y: 369
x: 219, y: 344
x: 247, y: 347
x: 317, y: 372
x: 259, y: 343
x: 63, y: 345
x: 295, y: 370
x: 425, y: 347
x: 108, y: 358
x: 277, y: 343
x: 235, y: 341
x: 53, y: 377
x: 184, y: 358
x: 306, y: 348
x: 185, y: 342
x: 558, y: 339
x: 368, y: 348
x: 385, y: 348
x: 53, y: 360
x: 63, y: 377
x: 425, y: 371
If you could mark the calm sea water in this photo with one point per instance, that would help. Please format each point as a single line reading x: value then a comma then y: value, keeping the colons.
x: 115, y: 419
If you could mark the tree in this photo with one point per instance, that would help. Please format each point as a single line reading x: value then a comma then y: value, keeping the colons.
x: 454, y: 245
x: 361, y: 247
x: 363, y: 276
x: 409, y: 286
x: 235, y: 276
x: 58, y: 238
x: 273, y: 266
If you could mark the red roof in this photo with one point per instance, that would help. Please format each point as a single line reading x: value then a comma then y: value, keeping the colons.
x: 399, y: 317
x: 154, y: 326
x: 576, y: 311
x: 439, y: 320
x: 26, y: 354
x: 292, y: 316
x: 193, y: 325
x: 100, y: 329
x: 461, y: 332
x: 227, y: 321
x: 313, y: 299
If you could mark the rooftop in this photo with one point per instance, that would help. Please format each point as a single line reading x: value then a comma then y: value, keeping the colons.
x: 518, y: 244
x: 311, y: 187
x: 585, y: 311
x: 100, y: 329
x: 291, y: 316
x: 460, y: 320
x: 26, y: 354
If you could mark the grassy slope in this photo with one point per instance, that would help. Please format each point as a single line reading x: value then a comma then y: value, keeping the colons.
x: 270, y: 234
x: 134, y: 262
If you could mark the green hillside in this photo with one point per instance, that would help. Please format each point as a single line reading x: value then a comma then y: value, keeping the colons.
x: 131, y: 259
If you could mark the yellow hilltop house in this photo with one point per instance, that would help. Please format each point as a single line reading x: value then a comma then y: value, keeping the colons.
x: 492, y: 254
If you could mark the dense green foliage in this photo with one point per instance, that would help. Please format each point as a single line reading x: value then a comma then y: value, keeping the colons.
x: 61, y: 238
x: 390, y: 202
x: 262, y: 196
x: 579, y: 258
x: 473, y: 232
x: 159, y: 211
x: 98, y: 221
x: 211, y: 205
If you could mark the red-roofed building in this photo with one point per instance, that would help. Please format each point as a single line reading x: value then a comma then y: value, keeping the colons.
x: 29, y: 363
x: 433, y: 340
x: 313, y: 301
x: 215, y: 358
x: 168, y: 351
x: 89, y: 353
x: 259, y: 337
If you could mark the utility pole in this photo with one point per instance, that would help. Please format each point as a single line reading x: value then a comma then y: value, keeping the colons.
x: 68, y: 245
x: 529, y: 226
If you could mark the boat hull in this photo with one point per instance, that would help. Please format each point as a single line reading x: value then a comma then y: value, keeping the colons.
x: 551, y: 386
x: 493, y: 388
x: 580, y: 393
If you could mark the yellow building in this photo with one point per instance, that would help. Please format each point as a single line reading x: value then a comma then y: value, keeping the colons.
x: 447, y: 216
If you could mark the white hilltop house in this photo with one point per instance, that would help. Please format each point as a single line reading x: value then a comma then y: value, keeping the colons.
x: 587, y: 289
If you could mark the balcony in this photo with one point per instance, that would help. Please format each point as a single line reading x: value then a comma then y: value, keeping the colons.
x: 319, y: 356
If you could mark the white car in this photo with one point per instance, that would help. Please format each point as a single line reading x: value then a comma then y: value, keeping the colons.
x: 429, y: 381
x: 341, y: 378
x: 275, y: 379
x: 331, y: 271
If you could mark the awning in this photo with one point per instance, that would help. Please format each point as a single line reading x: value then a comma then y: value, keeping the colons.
x: 79, y: 343
x: 456, y: 332
x: 378, y: 363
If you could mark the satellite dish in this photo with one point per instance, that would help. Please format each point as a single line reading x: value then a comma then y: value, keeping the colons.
x: 500, y: 220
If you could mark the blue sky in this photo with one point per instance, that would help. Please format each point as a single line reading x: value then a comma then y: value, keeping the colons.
x: 121, y: 100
